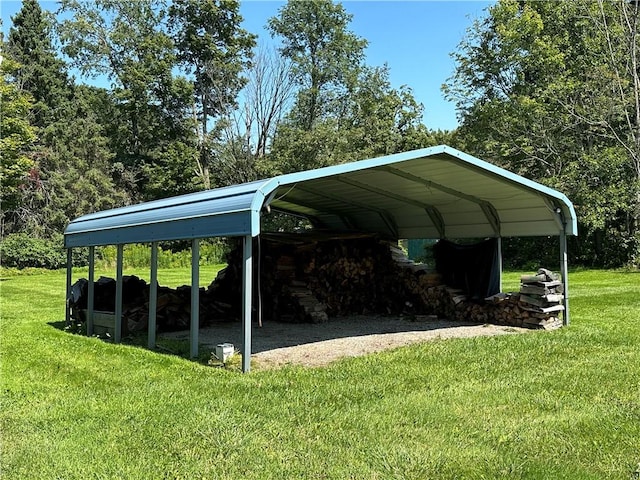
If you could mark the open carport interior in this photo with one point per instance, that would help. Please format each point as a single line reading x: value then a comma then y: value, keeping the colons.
x: 437, y: 192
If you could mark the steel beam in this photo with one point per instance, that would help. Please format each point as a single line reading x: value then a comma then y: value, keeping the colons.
x: 117, y: 336
x: 383, y: 214
x: 564, y: 271
x: 499, y: 253
x: 384, y: 193
x: 437, y: 220
x: 432, y: 212
x: 153, y: 297
x: 90, y: 291
x: 67, y: 303
x: 247, y: 282
x: 489, y: 210
x: 195, y: 297
x: 343, y: 217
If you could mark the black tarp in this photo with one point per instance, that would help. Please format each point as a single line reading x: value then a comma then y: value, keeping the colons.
x: 473, y: 268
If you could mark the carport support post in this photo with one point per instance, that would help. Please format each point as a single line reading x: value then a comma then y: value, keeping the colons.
x: 195, y: 296
x: 67, y: 303
x: 90, y: 291
x: 153, y: 297
x: 565, y: 275
x: 499, y: 253
x: 118, y: 314
x: 247, y: 277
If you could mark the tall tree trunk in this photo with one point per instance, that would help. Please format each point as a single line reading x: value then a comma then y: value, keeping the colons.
x: 204, y: 152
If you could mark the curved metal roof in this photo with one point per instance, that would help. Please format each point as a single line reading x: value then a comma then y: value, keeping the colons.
x: 429, y: 193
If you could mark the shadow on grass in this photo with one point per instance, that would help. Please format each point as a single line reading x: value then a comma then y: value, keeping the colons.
x: 168, y: 346
x: 61, y: 325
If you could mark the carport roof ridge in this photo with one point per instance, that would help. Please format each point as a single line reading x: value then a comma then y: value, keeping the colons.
x: 434, y: 192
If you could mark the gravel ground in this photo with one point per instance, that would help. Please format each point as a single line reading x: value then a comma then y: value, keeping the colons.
x: 276, y: 344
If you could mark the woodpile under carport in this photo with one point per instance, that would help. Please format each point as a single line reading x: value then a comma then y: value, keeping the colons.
x: 311, y: 277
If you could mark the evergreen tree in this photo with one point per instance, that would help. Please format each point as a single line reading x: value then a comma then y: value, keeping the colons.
x: 71, y: 172
x: 41, y: 72
x: 77, y: 172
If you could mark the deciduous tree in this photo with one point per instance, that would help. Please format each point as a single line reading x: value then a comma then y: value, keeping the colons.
x: 128, y: 43
x: 214, y: 50
x: 325, y: 55
x: 16, y: 138
x: 547, y: 89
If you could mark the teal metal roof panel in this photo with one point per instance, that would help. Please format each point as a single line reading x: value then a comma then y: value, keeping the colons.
x: 449, y: 180
x: 437, y: 191
x: 229, y: 224
x: 219, y: 212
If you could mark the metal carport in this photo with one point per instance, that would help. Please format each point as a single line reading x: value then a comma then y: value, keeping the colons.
x: 434, y: 192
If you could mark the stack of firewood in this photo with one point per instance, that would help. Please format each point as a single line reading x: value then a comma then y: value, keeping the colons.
x: 173, y: 305
x: 513, y: 309
x: 308, y: 278
x: 173, y: 310
x: 305, y: 278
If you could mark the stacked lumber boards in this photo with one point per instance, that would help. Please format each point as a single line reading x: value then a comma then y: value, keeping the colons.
x: 537, y: 304
x: 542, y: 295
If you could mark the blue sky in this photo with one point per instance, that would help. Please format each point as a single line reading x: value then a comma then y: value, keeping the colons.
x: 414, y: 38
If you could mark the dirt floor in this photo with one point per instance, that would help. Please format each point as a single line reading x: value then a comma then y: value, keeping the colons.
x: 276, y: 344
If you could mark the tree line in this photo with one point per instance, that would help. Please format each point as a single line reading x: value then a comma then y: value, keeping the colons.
x: 549, y: 90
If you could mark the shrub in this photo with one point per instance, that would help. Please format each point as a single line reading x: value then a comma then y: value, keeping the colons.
x: 21, y: 250
x: 170, y: 255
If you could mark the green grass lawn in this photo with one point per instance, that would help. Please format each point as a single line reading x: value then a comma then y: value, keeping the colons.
x: 547, y: 405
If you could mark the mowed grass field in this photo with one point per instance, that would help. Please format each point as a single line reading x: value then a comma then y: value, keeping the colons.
x: 542, y: 405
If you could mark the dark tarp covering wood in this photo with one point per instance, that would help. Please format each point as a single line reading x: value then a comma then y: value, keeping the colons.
x: 473, y: 268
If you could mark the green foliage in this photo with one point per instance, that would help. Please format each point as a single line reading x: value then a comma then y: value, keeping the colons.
x: 22, y: 250
x: 375, y: 120
x: 173, y: 172
x: 532, y: 253
x: 41, y: 72
x: 139, y: 256
x: 72, y: 172
x: 17, y: 136
x: 78, y: 168
x: 213, y: 48
x: 345, y: 111
x: 129, y: 43
x: 545, y: 89
x: 326, y: 57
x: 613, y: 248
